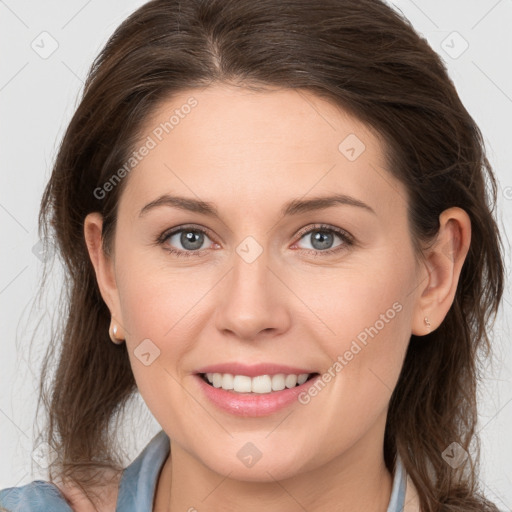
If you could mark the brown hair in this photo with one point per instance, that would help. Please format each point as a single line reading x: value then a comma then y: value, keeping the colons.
x: 359, y: 54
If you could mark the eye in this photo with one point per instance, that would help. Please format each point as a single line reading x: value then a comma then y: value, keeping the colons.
x: 321, y: 238
x: 190, y: 238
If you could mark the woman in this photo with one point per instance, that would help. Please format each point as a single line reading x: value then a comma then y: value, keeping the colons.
x: 278, y: 214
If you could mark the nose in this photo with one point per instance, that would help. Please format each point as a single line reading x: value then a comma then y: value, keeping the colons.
x: 254, y: 301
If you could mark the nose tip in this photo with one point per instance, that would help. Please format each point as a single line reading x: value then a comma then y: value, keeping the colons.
x: 252, y: 304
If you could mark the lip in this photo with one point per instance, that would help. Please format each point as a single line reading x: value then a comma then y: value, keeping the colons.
x: 253, y: 370
x: 253, y: 404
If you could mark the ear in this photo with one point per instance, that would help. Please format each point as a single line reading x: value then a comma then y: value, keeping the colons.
x: 103, y: 265
x: 443, y: 263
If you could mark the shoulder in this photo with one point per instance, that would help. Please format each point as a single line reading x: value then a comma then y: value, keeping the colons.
x: 41, y: 496
x: 37, y: 496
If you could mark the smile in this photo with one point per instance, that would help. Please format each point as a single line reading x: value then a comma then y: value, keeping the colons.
x: 258, y: 384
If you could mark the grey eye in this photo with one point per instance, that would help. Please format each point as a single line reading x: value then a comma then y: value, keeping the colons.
x: 321, y: 239
x: 190, y: 239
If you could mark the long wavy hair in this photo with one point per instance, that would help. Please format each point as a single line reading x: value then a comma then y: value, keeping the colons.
x: 359, y: 54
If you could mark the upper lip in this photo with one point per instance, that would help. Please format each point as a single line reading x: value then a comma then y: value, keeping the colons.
x: 254, y: 370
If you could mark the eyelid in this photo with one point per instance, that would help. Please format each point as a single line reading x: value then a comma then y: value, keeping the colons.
x: 193, y: 227
x: 347, y: 238
x: 325, y: 227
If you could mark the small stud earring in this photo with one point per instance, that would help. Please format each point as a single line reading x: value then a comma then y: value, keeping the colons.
x: 113, y: 335
x: 427, y: 323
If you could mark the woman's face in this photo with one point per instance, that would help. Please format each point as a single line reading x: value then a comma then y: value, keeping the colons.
x: 332, y: 291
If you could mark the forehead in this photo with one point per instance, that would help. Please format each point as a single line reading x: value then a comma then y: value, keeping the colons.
x: 288, y: 122
x: 224, y: 142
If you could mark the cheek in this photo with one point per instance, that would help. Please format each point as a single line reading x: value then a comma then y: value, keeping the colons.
x: 369, y: 318
x: 159, y: 335
x: 365, y: 308
x: 163, y: 314
x: 153, y: 296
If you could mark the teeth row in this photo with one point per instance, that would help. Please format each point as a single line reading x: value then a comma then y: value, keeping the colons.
x: 259, y: 384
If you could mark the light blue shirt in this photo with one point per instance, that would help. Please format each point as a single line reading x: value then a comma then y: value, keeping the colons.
x: 137, y: 486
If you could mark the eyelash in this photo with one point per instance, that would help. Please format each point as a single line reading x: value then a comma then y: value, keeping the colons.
x: 347, y: 239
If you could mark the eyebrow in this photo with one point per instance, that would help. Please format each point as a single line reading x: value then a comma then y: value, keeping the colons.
x: 294, y: 207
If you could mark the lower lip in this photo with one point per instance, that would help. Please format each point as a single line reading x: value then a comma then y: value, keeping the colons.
x: 253, y: 404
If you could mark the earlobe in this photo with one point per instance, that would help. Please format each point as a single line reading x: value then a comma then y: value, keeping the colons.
x: 102, y: 263
x: 443, y: 263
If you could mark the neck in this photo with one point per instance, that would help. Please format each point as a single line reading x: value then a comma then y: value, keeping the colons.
x: 357, y: 480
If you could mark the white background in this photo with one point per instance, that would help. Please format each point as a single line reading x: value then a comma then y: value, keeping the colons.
x: 37, y: 98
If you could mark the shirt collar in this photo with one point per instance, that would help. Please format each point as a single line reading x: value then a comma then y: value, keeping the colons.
x: 138, y: 482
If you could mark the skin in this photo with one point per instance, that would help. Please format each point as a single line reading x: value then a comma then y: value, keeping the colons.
x: 250, y: 153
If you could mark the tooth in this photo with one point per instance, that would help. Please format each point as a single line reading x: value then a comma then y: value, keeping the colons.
x: 242, y: 384
x: 303, y: 377
x: 227, y: 381
x: 258, y: 384
x: 278, y: 382
x: 217, y: 380
x: 290, y: 381
x: 261, y: 384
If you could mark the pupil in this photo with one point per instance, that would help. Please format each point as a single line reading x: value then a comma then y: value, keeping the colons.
x: 189, y: 236
x: 322, y: 237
